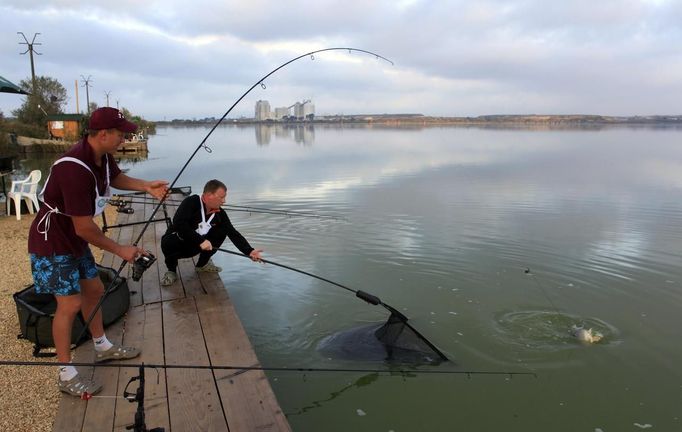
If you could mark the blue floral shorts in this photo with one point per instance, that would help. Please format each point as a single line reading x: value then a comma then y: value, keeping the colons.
x: 59, y: 274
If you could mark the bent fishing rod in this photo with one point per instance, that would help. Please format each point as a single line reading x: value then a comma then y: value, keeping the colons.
x: 202, y: 144
x: 363, y: 295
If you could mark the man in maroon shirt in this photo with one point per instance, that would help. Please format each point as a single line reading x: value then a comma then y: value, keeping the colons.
x: 76, y: 191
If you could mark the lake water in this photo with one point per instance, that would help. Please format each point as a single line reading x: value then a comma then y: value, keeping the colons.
x: 494, y: 242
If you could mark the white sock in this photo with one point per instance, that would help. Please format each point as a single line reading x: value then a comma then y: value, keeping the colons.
x: 67, y: 372
x: 102, y: 343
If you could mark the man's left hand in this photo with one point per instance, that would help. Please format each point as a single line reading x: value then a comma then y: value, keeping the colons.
x: 255, y: 255
x: 157, y: 188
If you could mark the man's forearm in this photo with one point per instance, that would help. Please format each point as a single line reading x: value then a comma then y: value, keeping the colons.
x: 124, y: 182
x: 94, y: 236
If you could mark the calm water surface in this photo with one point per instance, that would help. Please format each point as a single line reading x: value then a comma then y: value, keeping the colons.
x: 443, y: 224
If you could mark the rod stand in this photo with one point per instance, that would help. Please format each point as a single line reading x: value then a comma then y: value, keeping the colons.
x: 140, y: 424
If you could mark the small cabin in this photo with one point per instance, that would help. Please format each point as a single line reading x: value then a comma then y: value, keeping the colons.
x: 64, y: 126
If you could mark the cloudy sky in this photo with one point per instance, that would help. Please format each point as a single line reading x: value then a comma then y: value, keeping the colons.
x: 193, y: 59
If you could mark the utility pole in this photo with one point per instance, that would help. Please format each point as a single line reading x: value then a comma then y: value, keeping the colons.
x: 78, y: 111
x: 107, y: 93
x: 31, y: 51
x: 86, y: 84
x: 116, y: 103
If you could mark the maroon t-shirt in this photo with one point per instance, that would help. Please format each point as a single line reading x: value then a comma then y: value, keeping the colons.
x: 71, y: 188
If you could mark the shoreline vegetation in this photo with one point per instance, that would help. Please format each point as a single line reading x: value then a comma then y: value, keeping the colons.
x: 26, y: 145
x: 422, y: 120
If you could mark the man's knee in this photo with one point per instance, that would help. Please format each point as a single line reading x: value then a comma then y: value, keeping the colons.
x: 92, y: 288
x: 68, y: 305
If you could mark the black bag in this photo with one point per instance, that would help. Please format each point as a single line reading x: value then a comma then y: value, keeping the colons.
x: 36, y: 311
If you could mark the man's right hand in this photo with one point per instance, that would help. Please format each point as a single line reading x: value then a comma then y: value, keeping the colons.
x: 206, y: 245
x: 129, y: 253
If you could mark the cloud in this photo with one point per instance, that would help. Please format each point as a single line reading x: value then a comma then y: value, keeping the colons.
x: 168, y: 59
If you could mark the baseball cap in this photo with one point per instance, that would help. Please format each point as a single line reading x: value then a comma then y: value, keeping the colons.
x: 110, y: 118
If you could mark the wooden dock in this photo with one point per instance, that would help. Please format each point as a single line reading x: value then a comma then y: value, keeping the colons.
x: 133, y: 146
x: 192, y: 322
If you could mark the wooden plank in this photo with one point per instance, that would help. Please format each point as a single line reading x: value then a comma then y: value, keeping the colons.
x: 71, y: 410
x: 190, y: 279
x: 144, y: 329
x: 127, y: 236
x: 248, y: 400
x: 193, y: 400
x: 212, y: 284
x: 109, y: 259
x: 150, y: 279
x: 176, y: 290
x: 99, y: 414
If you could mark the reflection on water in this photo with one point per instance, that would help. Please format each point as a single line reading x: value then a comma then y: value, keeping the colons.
x: 300, y: 133
x: 363, y: 381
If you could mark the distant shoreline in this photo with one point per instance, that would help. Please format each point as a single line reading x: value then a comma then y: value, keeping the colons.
x: 421, y: 120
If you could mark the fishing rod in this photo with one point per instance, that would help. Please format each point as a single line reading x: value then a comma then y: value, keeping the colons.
x: 267, y: 368
x: 146, y: 260
x: 363, y: 295
x: 251, y: 209
x: 123, y: 202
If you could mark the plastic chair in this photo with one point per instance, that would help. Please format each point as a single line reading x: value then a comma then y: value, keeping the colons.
x: 27, y: 190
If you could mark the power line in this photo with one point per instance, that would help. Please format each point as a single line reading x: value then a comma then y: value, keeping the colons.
x: 86, y: 84
x: 30, y: 50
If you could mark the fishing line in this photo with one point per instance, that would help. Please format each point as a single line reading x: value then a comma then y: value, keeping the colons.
x: 203, y: 145
x: 528, y: 272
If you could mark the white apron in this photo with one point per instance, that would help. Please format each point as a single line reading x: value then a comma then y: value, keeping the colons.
x: 100, y: 201
x: 204, y: 225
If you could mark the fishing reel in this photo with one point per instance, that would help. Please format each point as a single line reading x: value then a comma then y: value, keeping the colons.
x: 118, y: 202
x: 122, y: 206
x: 141, y: 264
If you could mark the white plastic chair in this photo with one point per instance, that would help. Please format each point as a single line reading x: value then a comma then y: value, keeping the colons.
x: 27, y: 190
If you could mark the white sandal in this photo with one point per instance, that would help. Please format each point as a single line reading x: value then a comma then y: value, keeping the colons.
x: 169, y: 278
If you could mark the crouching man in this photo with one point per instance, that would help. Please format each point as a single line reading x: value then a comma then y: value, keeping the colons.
x: 199, y: 227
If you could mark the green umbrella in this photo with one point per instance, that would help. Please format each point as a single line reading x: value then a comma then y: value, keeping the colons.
x: 9, y: 87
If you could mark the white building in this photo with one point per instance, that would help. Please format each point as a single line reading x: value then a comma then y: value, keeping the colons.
x: 302, y: 110
x: 281, y: 112
x: 263, y: 110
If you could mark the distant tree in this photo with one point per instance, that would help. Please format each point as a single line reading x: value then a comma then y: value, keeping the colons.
x: 48, y: 98
x: 146, y: 127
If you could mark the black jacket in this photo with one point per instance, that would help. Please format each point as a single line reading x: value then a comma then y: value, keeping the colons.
x: 186, y: 221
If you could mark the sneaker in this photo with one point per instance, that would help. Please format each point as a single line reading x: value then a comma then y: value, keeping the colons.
x: 209, y: 268
x: 169, y: 278
x: 116, y: 352
x: 79, y: 385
